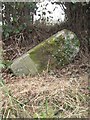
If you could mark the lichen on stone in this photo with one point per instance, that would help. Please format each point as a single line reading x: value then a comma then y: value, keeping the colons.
x: 56, y: 51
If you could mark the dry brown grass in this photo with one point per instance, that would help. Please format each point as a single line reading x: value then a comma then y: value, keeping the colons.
x: 63, y: 95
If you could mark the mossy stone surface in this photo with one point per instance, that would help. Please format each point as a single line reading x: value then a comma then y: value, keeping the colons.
x: 56, y: 51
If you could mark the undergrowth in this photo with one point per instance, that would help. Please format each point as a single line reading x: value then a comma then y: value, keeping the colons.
x: 73, y: 105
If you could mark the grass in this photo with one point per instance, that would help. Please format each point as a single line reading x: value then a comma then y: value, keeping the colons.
x: 14, y: 108
x: 63, y: 103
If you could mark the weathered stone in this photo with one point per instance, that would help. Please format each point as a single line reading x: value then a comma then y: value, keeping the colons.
x: 24, y: 66
x: 56, y: 51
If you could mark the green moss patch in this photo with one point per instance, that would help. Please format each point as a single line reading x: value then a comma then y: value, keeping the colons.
x: 56, y: 51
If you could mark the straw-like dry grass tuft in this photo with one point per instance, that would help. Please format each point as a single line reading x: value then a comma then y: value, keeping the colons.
x: 61, y: 94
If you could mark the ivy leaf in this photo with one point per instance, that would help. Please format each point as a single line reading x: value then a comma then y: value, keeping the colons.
x: 2, y: 65
x: 6, y: 34
x: 16, y: 31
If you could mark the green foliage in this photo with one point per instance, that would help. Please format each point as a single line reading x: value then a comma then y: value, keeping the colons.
x: 17, y: 16
x: 6, y: 63
x: 46, y: 111
x: 1, y: 61
x: 1, y: 65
